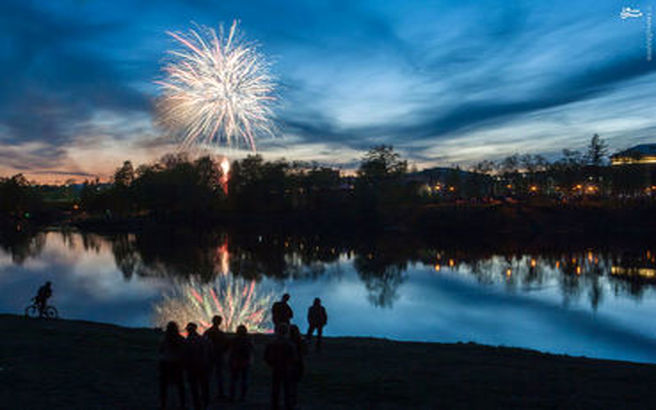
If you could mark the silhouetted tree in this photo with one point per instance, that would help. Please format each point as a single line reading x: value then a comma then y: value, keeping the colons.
x: 597, y: 151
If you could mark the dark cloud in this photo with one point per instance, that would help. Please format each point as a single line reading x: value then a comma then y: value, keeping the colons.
x: 434, y: 123
x: 31, y: 158
x: 55, y: 77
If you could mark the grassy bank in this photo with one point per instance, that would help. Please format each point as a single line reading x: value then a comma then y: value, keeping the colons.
x: 83, y: 365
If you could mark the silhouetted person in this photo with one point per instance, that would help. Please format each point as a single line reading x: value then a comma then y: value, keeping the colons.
x: 317, y: 319
x: 197, y: 360
x: 219, y: 346
x: 298, y: 363
x: 281, y: 312
x: 42, y: 296
x: 171, y: 354
x: 279, y: 355
x: 240, y: 359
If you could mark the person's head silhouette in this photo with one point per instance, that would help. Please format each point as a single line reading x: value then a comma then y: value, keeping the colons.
x: 317, y: 302
x: 294, y: 332
x: 285, y: 297
x: 191, y: 328
x: 241, y: 330
x: 216, y: 320
x: 172, y: 329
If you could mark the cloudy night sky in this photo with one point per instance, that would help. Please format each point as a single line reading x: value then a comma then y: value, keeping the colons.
x: 445, y: 82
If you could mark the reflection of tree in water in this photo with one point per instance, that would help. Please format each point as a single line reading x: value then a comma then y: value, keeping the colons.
x: 22, y: 245
x: 161, y: 254
x: 380, y: 261
x: 575, y: 273
x: 125, y: 254
x: 381, y: 275
x: 236, y: 300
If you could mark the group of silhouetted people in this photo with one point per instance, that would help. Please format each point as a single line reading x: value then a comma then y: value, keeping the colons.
x: 200, y: 357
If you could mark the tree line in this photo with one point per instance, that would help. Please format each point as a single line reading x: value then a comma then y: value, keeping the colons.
x: 178, y: 186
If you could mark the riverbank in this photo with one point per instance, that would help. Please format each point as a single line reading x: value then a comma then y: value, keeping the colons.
x: 82, y: 365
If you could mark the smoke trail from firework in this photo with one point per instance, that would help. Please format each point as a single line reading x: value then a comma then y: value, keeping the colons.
x: 218, y: 89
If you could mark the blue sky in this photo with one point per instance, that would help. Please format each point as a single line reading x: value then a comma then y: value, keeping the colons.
x: 443, y: 81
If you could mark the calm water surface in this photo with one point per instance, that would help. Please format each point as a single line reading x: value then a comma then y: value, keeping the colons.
x: 579, y: 302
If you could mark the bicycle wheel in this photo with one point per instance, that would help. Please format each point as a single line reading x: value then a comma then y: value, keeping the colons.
x: 50, y: 313
x: 32, y: 311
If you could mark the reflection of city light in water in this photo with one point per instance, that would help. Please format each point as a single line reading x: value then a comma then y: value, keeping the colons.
x: 236, y: 300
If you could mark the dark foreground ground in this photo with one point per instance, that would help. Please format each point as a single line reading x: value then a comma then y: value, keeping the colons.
x: 82, y: 365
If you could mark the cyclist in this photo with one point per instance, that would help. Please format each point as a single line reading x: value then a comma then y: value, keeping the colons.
x: 42, y: 296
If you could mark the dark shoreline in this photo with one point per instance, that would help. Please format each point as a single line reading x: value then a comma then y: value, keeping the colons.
x: 73, y: 364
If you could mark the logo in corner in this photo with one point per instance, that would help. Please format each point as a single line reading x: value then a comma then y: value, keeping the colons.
x: 629, y: 13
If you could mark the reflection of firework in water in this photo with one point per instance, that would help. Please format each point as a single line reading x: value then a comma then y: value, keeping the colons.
x: 217, y: 89
x: 234, y: 299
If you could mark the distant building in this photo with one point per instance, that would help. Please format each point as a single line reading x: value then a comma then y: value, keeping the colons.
x: 640, y: 154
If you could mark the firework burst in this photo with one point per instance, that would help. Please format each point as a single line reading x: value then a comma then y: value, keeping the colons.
x: 235, y: 300
x: 217, y: 89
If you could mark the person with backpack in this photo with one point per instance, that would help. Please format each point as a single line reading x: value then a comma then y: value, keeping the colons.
x: 281, y: 312
x: 240, y: 359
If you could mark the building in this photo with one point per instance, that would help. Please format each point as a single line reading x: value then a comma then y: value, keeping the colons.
x: 640, y: 154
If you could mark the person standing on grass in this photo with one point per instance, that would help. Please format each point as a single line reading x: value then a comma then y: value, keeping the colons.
x: 298, y: 363
x: 281, y: 312
x: 219, y: 346
x: 171, y: 353
x: 279, y: 355
x: 240, y: 359
x: 317, y: 319
x: 197, y: 359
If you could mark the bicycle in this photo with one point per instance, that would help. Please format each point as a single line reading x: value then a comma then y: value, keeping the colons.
x: 48, y: 312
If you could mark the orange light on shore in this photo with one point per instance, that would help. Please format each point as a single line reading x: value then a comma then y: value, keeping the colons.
x: 533, y: 188
x: 533, y: 263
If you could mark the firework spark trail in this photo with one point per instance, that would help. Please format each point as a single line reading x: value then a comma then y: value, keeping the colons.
x: 235, y: 299
x: 218, y: 89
